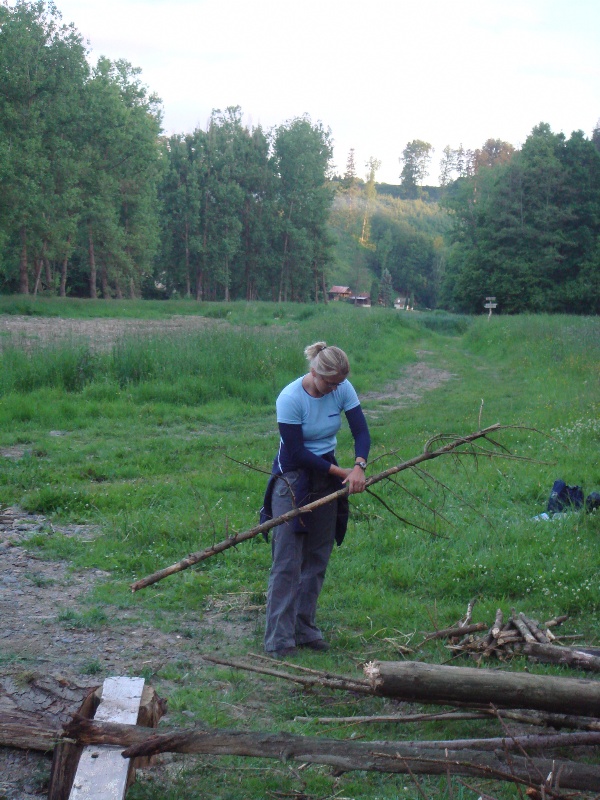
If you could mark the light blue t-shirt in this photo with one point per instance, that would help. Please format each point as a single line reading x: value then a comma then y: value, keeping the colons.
x: 320, y: 417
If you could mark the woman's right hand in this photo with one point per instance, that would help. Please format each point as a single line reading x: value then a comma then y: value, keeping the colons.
x: 353, y: 478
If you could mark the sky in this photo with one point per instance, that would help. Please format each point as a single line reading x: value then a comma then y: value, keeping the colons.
x: 377, y: 73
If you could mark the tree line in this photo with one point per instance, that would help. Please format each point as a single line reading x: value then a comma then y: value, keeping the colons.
x: 526, y: 226
x: 96, y: 202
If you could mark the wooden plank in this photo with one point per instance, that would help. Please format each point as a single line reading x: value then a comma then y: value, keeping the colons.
x: 67, y: 753
x: 102, y: 772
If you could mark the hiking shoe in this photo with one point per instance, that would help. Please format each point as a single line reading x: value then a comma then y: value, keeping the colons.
x: 316, y: 644
x: 284, y: 653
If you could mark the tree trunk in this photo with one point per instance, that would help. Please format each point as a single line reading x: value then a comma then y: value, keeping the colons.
x: 93, y: 289
x: 432, y: 683
x: 227, y: 297
x: 325, y: 298
x: 63, y: 276
x: 188, y: 282
x: 23, y: 270
x: 247, y: 250
x: 104, y: 282
x: 393, y: 757
x: 570, y: 656
x: 284, y: 270
x: 201, y: 270
x: 48, y: 267
x: 38, y: 273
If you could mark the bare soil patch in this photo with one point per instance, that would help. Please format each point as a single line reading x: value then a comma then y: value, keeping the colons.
x: 42, y: 636
x: 100, y: 333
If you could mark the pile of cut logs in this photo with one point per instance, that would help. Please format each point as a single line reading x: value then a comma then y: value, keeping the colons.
x: 505, y: 636
x: 519, y: 634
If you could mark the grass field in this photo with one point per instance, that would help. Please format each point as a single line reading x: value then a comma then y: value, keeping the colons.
x: 149, y: 427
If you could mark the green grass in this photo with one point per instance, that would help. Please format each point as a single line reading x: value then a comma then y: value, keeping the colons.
x: 148, y: 429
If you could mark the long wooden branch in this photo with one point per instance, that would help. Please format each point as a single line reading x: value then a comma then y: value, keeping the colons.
x: 537, y: 718
x: 479, y: 710
x: 232, y: 541
x: 341, y: 682
x: 392, y: 757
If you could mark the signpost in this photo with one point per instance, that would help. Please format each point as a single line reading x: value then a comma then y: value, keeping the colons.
x: 490, y: 302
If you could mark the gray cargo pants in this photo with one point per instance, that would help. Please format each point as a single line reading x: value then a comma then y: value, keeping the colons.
x: 299, y: 564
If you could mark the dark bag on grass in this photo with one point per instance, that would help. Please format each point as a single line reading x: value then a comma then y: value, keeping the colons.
x: 564, y: 498
x: 592, y: 501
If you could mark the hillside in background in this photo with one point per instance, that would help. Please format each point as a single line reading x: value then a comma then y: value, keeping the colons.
x: 387, y: 233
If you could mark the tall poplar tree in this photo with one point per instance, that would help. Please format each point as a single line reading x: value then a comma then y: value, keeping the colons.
x: 303, y: 153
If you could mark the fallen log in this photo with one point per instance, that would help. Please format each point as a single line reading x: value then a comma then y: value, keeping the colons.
x: 232, y: 541
x: 492, y: 638
x: 29, y: 732
x: 392, y: 757
x: 32, y: 712
x: 569, y: 656
x: 525, y: 715
x: 543, y: 743
x: 432, y: 683
x: 552, y: 623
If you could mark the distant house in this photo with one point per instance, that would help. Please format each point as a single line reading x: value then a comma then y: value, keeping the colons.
x: 339, y: 293
x: 360, y: 300
x: 402, y: 303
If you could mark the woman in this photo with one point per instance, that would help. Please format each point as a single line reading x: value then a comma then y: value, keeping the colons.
x: 305, y: 469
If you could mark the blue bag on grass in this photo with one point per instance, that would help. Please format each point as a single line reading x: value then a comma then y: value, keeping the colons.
x: 564, y: 498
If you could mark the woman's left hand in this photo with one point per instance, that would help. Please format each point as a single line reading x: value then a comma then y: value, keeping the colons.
x: 356, y: 480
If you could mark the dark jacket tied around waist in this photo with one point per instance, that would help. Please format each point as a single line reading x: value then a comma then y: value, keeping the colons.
x: 305, y: 494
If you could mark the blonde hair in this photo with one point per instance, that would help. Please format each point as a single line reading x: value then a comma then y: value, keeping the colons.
x: 327, y: 361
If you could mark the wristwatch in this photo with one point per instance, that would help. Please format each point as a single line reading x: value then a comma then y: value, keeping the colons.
x: 361, y: 464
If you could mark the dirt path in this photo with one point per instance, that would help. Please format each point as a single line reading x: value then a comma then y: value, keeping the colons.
x: 409, y: 388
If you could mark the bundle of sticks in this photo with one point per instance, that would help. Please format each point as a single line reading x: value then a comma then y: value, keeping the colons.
x: 505, y: 637
x: 518, y: 634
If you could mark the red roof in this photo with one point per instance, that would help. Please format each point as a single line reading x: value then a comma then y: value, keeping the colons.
x: 340, y: 289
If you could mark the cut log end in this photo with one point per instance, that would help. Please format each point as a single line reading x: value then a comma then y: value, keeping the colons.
x: 373, y: 673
